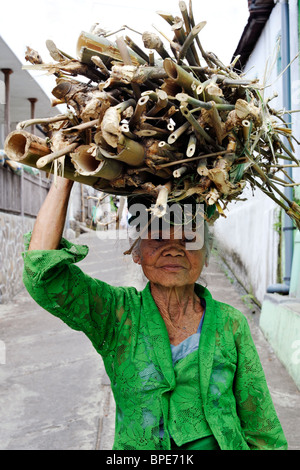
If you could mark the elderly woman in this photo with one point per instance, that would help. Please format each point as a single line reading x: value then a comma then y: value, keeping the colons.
x: 184, y: 371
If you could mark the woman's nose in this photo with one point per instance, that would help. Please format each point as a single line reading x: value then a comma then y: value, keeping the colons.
x: 173, y: 248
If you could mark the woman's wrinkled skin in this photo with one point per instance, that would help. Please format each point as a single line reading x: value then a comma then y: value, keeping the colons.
x: 172, y: 270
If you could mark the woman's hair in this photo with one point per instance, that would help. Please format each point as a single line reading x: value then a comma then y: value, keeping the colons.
x: 208, y: 240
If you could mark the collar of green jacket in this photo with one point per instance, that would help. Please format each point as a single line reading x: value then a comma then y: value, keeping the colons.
x: 162, y: 349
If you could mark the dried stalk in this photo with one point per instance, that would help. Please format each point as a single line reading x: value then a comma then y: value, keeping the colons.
x: 135, y: 122
x: 184, y: 98
x: 179, y: 172
x: 81, y: 127
x: 192, y: 22
x: 180, y: 76
x: 191, y: 148
x: 178, y: 132
x: 160, y: 207
x: 162, y: 102
x: 136, y: 49
x: 139, y: 110
x: 187, y: 160
x: 152, y: 41
x: 43, y: 161
x: 127, y: 61
x: 190, y: 38
x: 31, y: 122
x: 188, y: 26
x: 199, y: 131
x: 86, y: 164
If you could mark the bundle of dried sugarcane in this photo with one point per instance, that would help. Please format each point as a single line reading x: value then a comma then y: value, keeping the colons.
x: 171, y: 125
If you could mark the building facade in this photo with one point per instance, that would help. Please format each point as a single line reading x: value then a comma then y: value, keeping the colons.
x: 252, y: 238
x: 259, y: 243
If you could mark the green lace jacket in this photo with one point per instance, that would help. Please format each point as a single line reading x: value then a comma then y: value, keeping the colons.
x: 126, y: 328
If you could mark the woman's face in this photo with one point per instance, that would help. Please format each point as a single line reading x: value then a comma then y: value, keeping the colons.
x: 168, y: 261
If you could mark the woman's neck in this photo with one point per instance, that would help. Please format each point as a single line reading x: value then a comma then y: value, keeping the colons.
x: 177, y: 304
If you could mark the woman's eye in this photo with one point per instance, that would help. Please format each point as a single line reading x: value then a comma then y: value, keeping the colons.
x: 156, y: 236
x: 190, y: 239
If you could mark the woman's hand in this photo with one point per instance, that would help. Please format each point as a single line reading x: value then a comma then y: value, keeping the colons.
x: 51, y: 218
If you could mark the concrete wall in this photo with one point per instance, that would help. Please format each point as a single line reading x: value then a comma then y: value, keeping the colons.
x: 247, y: 238
x: 280, y: 323
x: 12, y: 229
x: 248, y: 243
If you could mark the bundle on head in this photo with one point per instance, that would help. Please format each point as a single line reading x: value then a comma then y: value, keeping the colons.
x: 167, y: 121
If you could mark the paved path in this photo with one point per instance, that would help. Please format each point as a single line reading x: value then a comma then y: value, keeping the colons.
x: 54, y: 392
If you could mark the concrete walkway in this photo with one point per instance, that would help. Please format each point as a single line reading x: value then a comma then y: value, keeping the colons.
x: 54, y: 392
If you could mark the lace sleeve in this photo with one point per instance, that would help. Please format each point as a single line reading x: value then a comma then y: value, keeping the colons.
x: 255, y: 408
x: 61, y: 288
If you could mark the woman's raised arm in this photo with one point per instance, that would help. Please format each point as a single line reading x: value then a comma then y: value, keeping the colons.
x: 51, y: 218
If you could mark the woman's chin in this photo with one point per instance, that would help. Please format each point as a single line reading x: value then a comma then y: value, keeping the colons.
x: 169, y: 280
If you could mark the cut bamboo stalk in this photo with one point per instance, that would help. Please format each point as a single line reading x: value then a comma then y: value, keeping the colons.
x: 231, y: 147
x: 197, y: 128
x: 178, y: 132
x: 170, y: 126
x: 23, y: 147
x: 26, y: 148
x: 180, y: 76
x: 190, y: 38
x: 160, y: 207
x: 151, y: 94
x: 162, y: 102
x: 100, y: 64
x: 126, y: 130
x: 104, y: 46
x: 164, y: 145
x: 202, y: 167
x: 167, y: 16
x: 148, y: 129
x: 139, y: 110
x: 192, y: 22
x: 31, y: 122
x: 179, y: 171
x: 136, y: 49
x: 87, y: 165
x: 246, y: 126
x: 185, y: 16
x: 237, y: 83
x: 127, y: 61
x: 184, y: 98
x: 132, y: 153
x: 146, y: 133
x: 121, y: 107
x: 151, y: 59
x: 201, y: 88
x: 43, y: 161
x: 81, y: 127
x: 188, y: 27
x: 152, y: 41
x: 191, y: 148
x: 187, y: 160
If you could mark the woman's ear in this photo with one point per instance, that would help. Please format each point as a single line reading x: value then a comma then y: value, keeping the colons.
x: 136, y: 256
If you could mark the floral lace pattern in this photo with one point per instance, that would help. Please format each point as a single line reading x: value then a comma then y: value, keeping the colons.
x: 126, y: 328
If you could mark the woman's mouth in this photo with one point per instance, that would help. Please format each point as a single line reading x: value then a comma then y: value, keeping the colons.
x: 172, y: 267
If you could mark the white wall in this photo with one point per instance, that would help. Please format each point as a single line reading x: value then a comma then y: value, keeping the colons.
x: 247, y: 238
x: 295, y: 73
